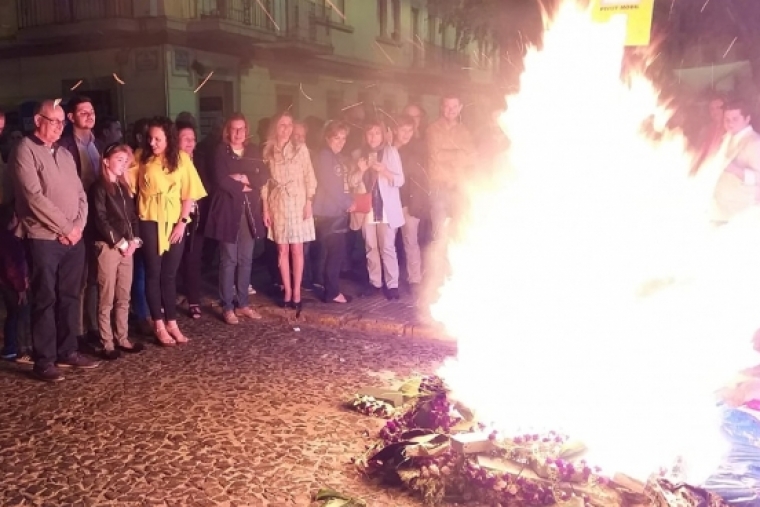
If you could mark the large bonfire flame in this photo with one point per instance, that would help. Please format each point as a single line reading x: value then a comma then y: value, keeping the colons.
x: 589, y: 292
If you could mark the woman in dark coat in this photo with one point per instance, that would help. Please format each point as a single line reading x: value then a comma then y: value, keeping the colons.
x: 235, y: 217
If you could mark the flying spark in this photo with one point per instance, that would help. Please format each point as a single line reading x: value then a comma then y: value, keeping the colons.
x: 300, y: 86
x: 118, y: 79
x: 344, y: 81
x: 705, y: 5
x: 377, y: 44
x: 261, y: 4
x: 204, y: 82
x: 730, y: 46
x: 371, y: 85
x: 337, y: 11
x: 386, y: 114
x: 77, y: 85
x: 57, y: 102
x: 352, y: 106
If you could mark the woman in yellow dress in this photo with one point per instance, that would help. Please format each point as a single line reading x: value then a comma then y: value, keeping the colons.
x: 167, y: 185
x: 287, y: 202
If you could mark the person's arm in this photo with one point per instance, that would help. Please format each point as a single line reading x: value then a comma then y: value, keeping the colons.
x: 393, y: 171
x: 227, y: 181
x: 27, y: 184
x: 102, y: 220
x: 310, y: 180
x: 81, y: 220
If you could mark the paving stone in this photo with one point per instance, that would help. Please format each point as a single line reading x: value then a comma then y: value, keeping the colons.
x: 248, y: 415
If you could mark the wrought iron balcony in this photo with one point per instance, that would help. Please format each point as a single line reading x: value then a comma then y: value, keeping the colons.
x: 282, y: 21
x: 38, y: 13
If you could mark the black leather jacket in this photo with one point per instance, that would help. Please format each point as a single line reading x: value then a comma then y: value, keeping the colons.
x: 112, y: 216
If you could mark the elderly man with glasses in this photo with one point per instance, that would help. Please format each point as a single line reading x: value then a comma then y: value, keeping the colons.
x: 52, y: 210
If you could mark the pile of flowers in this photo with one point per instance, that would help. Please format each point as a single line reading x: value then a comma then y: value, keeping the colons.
x: 415, y: 449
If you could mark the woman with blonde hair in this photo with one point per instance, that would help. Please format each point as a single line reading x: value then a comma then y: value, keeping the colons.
x: 287, y: 200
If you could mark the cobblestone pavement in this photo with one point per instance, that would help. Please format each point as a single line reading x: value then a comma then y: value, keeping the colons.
x: 242, y: 416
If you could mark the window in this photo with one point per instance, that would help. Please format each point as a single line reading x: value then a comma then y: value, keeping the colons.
x: 334, y: 104
x: 382, y: 17
x: 432, y: 26
x: 415, y: 36
x: 286, y: 100
x: 396, y: 8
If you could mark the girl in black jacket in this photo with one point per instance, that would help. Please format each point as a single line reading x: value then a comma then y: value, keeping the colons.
x: 113, y: 221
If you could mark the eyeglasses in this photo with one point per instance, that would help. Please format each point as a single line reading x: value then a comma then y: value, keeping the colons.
x: 53, y: 122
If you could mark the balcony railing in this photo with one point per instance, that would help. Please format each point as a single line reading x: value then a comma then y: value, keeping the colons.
x: 289, y: 19
x: 245, y: 12
x: 34, y: 13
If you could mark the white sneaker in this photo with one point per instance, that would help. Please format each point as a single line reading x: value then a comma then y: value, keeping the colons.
x: 24, y: 359
x: 251, y: 290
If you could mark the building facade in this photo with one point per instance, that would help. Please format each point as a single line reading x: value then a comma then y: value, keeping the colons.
x: 138, y: 58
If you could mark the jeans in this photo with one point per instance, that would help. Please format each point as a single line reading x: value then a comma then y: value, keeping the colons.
x: 139, y: 301
x: 236, y: 256
x: 16, y: 327
x: 89, y: 299
x: 56, y: 294
x: 191, y: 265
x: 333, y: 250
x: 160, y: 273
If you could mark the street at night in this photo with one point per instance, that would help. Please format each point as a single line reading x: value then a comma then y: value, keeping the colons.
x: 241, y: 416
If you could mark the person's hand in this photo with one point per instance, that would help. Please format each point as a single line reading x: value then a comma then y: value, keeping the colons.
x: 379, y: 167
x: 22, y: 298
x: 307, y: 212
x: 351, y: 208
x: 267, y: 220
x: 64, y: 240
x: 74, y: 236
x: 129, y: 252
x: 363, y: 164
x: 244, y: 180
x: 178, y: 232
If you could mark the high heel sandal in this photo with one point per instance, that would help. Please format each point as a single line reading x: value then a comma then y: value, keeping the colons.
x: 164, y: 338
x: 177, y: 334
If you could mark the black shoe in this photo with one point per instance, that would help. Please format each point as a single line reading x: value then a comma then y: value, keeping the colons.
x: 369, y: 291
x: 136, y: 348
x: 297, y: 307
x: 77, y: 360
x: 393, y: 294
x: 48, y: 373
x: 111, y: 355
x: 285, y: 304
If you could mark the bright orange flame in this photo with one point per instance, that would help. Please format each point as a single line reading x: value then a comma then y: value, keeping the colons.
x: 589, y: 292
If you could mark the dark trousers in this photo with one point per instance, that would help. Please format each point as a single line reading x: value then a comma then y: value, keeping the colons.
x: 15, y: 329
x: 160, y: 273
x: 56, y: 291
x: 332, y: 255
x: 191, y: 265
x: 139, y: 301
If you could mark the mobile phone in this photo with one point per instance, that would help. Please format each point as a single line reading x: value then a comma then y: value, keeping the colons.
x: 372, y: 158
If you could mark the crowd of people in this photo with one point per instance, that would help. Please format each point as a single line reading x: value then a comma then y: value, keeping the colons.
x: 95, y: 228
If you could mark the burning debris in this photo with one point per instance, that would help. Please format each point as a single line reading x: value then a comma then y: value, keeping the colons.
x: 433, y: 446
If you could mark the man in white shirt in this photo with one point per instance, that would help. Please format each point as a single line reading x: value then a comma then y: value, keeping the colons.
x: 738, y: 186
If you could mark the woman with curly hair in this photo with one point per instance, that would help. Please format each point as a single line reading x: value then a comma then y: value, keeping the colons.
x: 167, y: 185
x: 287, y: 199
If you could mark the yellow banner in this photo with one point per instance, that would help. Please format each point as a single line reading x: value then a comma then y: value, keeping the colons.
x: 639, y: 13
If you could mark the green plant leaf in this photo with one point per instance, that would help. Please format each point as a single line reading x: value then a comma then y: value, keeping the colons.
x: 328, y: 494
x: 411, y: 388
